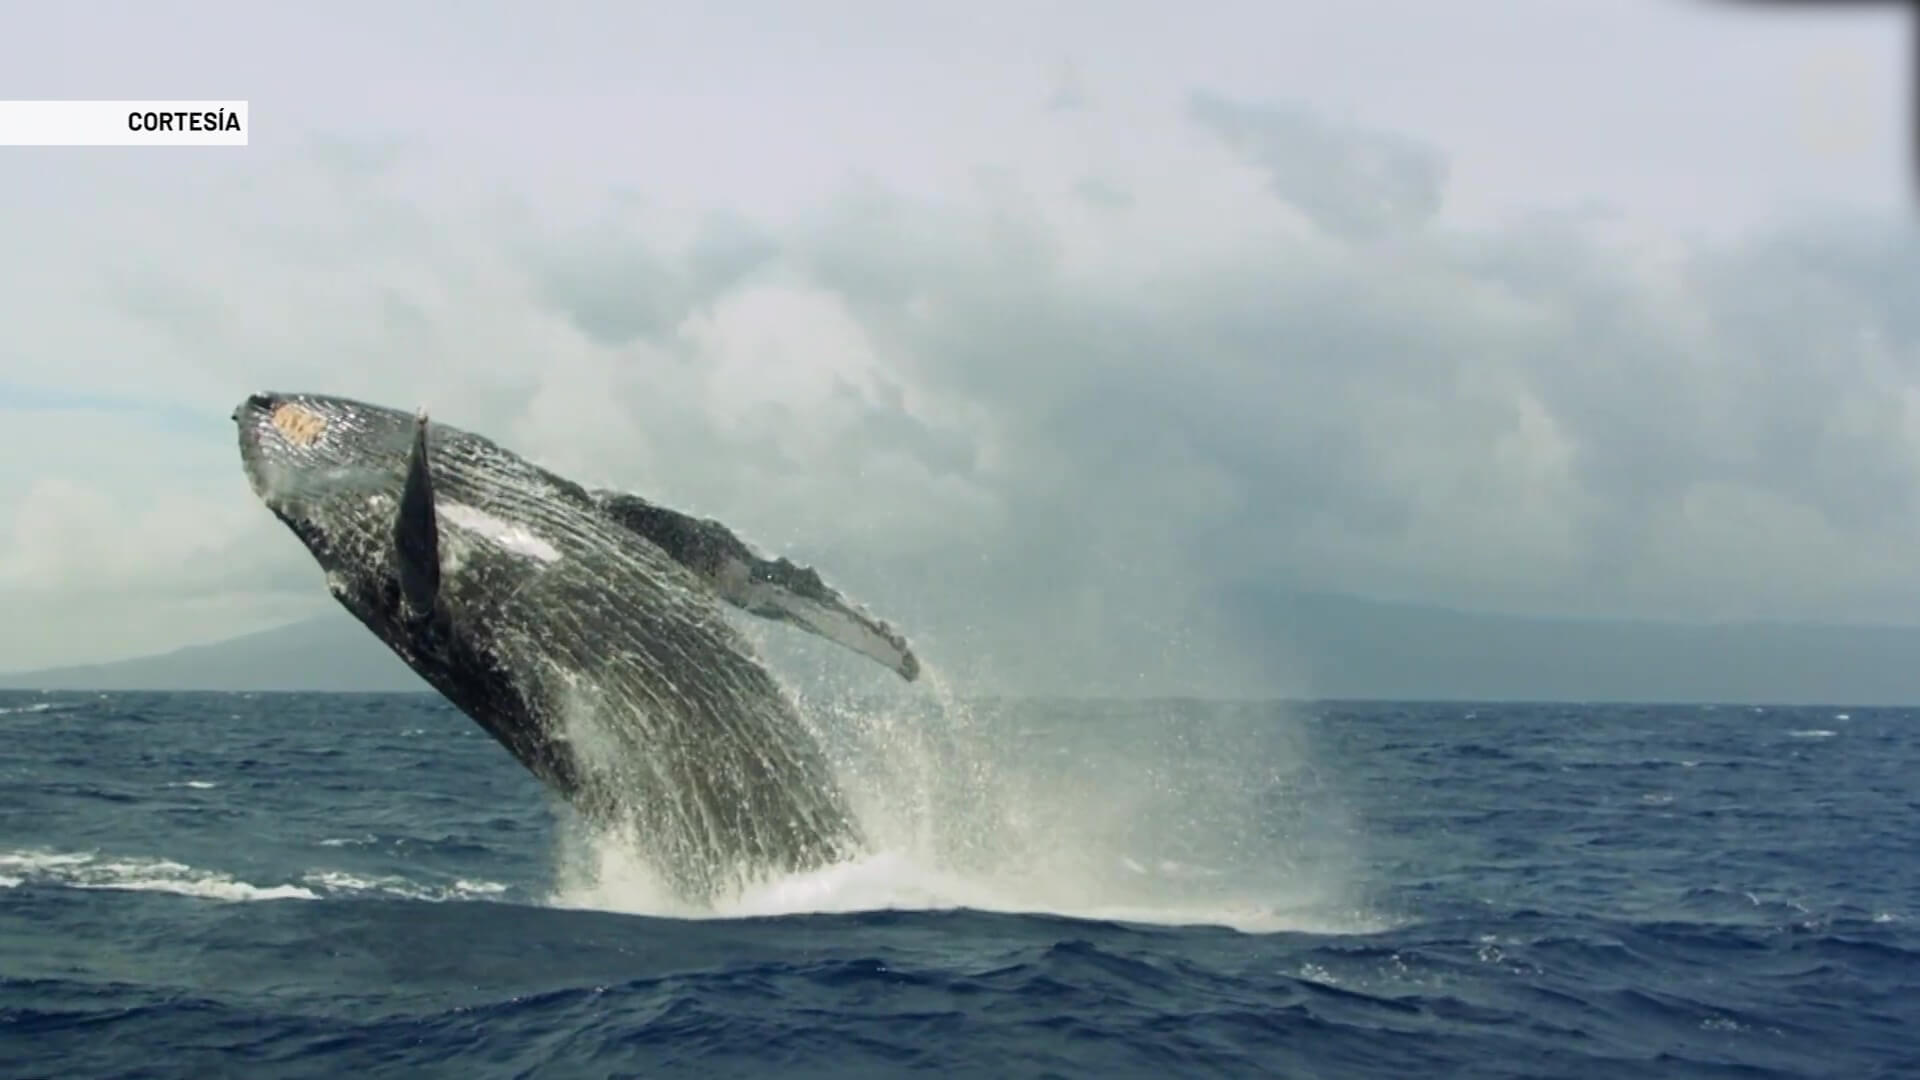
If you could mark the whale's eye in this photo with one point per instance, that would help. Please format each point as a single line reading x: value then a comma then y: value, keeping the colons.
x: 301, y: 426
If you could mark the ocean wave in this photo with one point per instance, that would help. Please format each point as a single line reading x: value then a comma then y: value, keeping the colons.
x: 1195, y: 894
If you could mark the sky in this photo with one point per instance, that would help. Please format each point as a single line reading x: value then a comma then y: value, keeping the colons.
x: 1041, y: 328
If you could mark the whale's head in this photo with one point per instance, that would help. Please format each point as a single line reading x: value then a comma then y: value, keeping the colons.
x: 337, y: 472
x: 324, y: 465
x: 354, y: 482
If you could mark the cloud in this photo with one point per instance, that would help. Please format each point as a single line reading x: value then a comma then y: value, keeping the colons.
x: 1069, y: 92
x: 1046, y: 426
x: 122, y: 530
x: 1359, y: 184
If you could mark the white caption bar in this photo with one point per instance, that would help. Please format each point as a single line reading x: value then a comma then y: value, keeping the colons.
x: 123, y: 123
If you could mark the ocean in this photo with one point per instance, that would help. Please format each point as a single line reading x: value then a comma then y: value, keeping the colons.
x: 260, y: 885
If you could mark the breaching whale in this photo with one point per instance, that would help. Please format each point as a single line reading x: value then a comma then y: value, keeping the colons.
x: 582, y: 629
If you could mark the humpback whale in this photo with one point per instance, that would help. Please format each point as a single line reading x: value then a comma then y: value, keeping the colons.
x: 582, y: 629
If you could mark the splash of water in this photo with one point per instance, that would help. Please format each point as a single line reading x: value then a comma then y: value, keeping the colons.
x: 1169, y: 813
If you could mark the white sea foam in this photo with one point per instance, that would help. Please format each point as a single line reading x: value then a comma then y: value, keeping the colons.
x: 611, y: 879
x: 94, y: 870
x: 38, y: 707
x: 341, y: 883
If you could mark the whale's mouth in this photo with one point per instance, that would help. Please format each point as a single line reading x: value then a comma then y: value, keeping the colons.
x: 254, y: 406
x: 253, y: 423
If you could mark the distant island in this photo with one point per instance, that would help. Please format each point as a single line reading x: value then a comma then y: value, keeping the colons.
x: 1337, y: 647
x: 328, y: 653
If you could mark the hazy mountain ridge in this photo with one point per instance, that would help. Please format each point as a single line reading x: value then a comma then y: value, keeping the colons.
x: 327, y: 653
x: 1343, y: 646
x: 1356, y: 648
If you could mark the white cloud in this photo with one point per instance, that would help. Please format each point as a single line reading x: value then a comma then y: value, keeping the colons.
x: 1041, y: 384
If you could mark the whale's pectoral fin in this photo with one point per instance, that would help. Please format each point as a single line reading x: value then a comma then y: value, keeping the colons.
x: 772, y: 589
x: 784, y: 592
x: 416, y: 535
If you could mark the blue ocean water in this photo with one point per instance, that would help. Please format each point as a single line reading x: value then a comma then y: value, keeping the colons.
x: 302, y: 885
